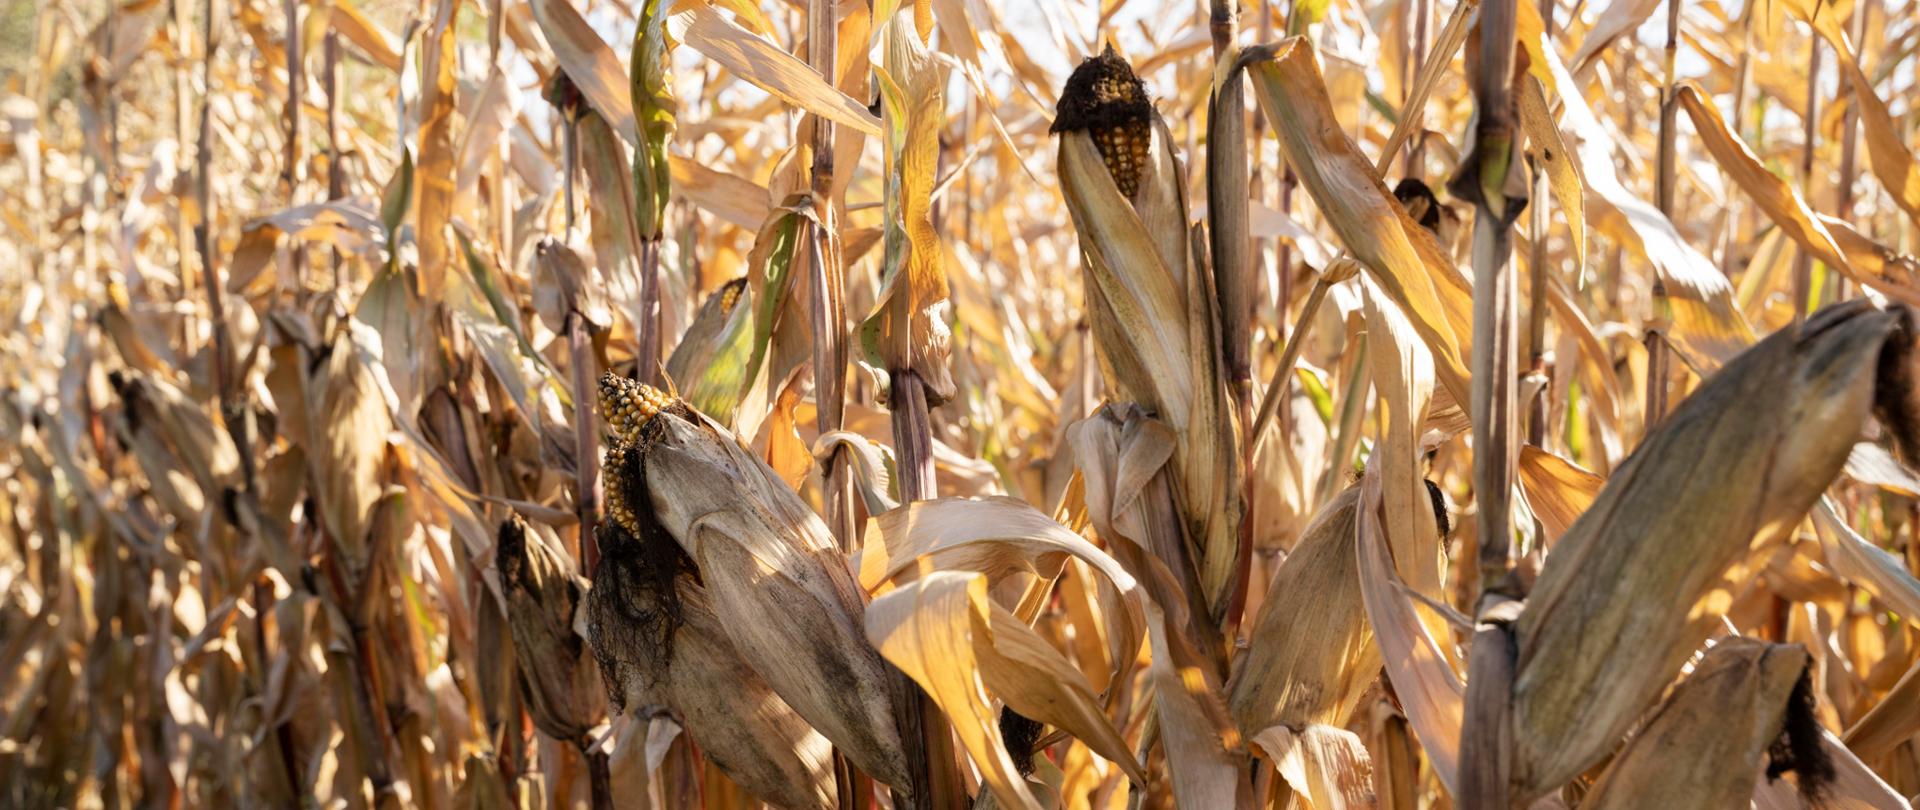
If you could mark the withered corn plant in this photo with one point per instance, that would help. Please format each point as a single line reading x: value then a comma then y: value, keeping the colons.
x: 959, y: 404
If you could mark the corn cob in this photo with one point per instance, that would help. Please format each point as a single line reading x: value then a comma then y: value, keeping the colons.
x: 1105, y: 98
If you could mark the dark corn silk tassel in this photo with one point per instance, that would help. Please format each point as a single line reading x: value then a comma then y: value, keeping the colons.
x: 1105, y: 98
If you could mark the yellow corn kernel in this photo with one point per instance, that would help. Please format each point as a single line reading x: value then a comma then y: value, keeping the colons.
x: 627, y: 405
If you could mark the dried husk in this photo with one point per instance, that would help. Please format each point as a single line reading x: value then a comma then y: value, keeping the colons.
x: 726, y: 707
x: 1702, y: 746
x: 1635, y: 585
x: 774, y: 577
x: 543, y: 596
x: 350, y: 425
x: 1310, y: 654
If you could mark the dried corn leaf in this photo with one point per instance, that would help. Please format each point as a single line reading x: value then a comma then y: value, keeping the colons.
x: 1891, y: 722
x: 589, y: 63
x: 1398, y: 254
x: 1888, y: 155
x: 1779, y: 200
x: 1549, y: 153
x: 1706, y: 322
x: 928, y: 629
x: 943, y: 630
x: 769, y: 67
x: 1430, y: 691
x: 1557, y: 489
x: 1866, y: 565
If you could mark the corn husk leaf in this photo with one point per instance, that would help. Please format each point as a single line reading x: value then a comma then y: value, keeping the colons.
x: 349, y: 440
x: 1229, y: 219
x: 1310, y: 653
x: 543, y: 595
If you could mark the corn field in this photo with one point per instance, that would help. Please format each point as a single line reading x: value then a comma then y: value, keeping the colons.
x: 1015, y: 404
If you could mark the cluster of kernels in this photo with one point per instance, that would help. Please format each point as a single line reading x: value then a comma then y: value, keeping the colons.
x: 730, y: 294
x: 627, y: 405
x: 1124, y: 150
x: 618, y: 507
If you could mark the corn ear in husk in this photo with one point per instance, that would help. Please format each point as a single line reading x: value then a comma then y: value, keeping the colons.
x: 667, y: 648
x: 1636, y: 584
x: 1150, y: 301
x: 691, y: 496
x: 542, y: 596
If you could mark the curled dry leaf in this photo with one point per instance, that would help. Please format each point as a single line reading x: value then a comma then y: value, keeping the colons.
x: 1326, y: 765
x: 1557, y: 489
x: 944, y: 631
